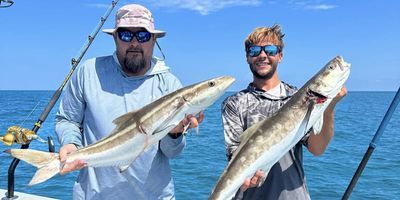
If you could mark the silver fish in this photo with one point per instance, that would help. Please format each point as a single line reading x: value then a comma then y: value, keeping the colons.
x: 264, y: 143
x: 134, y: 131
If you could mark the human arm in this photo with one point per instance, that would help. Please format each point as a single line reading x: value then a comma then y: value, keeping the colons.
x: 68, y: 122
x: 317, y: 143
x: 173, y: 144
x: 233, y: 126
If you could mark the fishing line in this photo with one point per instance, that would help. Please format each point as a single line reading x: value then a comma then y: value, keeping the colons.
x: 55, y: 97
x: 33, y: 110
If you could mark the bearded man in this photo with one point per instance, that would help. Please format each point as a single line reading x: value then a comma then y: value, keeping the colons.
x: 104, y: 88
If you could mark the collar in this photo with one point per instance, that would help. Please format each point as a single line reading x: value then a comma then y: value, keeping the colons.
x: 277, y: 93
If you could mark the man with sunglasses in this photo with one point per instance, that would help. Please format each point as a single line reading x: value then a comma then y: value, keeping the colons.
x: 262, y: 98
x: 106, y: 87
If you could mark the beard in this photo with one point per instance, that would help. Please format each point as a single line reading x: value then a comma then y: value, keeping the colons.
x: 266, y: 75
x: 134, y: 65
x: 134, y: 61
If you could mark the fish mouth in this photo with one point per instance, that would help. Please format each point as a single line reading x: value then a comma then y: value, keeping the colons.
x: 318, y: 96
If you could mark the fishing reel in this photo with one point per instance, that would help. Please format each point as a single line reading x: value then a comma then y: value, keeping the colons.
x: 19, y: 135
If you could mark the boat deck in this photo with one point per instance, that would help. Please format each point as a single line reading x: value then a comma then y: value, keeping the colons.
x: 22, y: 196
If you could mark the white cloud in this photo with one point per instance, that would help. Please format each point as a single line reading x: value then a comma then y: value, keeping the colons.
x: 204, y: 7
x: 99, y: 5
x: 320, y: 7
x: 311, y: 4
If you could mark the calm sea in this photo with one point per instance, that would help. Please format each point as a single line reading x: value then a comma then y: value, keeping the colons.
x: 198, y: 168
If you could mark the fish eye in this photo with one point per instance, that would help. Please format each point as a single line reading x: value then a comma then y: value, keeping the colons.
x: 211, y: 83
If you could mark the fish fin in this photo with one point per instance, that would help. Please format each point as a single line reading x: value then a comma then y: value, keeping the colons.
x: 317, y: 127
x: 45, y: 172
x: 123, y: 118
x: 245, y: 136
x: 186, y: 128
x: 48, y: 164
x: 304, y: 123
x: 249, y: 132
x: 163, y: 129
x: 197, y: 130
x: 266, y: 170
x: 124, y: 167
x: 261, y: 180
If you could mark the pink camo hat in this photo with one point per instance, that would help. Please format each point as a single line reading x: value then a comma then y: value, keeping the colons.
x: 134, y: 15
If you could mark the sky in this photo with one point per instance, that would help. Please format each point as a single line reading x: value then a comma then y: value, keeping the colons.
x: 205, y: 39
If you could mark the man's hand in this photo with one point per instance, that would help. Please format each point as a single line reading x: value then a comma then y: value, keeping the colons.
x: 194, y: 122
x: 338, y: 97
x: 253, y: 182
x: 69, y: 167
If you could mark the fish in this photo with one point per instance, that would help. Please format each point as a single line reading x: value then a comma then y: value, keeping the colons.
x: 267, y: 141
x: 134, y: 131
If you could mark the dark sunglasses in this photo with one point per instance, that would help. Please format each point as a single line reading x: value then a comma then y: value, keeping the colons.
x: 270, y: 50
x: 127, y: 36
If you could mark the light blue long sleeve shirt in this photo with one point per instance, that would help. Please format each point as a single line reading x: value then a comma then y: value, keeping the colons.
x: 98, y: 92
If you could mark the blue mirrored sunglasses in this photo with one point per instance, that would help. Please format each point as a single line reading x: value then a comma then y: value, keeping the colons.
x: 127, y: 36
x: 270, y: 50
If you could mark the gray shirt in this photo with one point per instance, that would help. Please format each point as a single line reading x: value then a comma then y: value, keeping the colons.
x: 286, y: 179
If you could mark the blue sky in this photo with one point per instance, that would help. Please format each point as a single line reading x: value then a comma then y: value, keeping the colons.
x: 205, y: 39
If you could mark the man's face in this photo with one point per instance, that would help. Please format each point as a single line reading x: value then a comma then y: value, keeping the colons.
x: 264, y: 66
x: 134, y: 57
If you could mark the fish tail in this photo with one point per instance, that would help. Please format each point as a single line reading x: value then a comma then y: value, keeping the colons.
x: 48, y: 164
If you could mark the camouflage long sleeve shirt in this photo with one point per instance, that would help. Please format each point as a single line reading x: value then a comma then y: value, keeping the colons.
x: 286, y: 178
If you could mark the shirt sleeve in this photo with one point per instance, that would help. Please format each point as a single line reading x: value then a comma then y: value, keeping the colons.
x: 233, y: 126
x: 169, y: 146
x: 71, y: 110
x: 172, y: 147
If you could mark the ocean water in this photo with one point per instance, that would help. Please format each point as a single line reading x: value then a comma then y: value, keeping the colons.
x: 196, y: 171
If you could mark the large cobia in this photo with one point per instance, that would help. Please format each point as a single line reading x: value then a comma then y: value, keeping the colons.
x: 134, y: 131
x: 264, y: 143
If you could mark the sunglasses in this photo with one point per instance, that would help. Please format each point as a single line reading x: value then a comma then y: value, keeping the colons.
x: 270, y: 50
x: 127, y: 36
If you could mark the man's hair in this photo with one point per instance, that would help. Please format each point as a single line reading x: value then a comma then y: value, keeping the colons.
x: 271, y: 34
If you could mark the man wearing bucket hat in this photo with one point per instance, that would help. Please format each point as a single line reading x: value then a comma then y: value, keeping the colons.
x: 106, y: 87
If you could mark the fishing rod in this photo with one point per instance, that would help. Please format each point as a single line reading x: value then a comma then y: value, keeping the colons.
x: 372, y: 145
x: 52, y: 102
x: 8, y: 3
